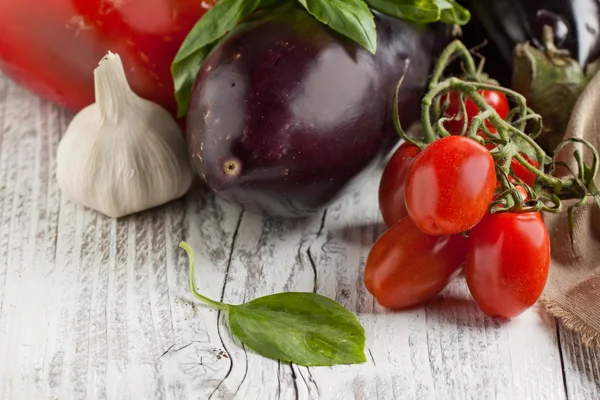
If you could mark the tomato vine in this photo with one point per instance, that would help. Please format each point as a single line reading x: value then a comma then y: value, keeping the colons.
x: 509, y: 138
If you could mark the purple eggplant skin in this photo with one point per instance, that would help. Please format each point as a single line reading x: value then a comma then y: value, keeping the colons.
x: 286, y: 115
x: 506, y: 23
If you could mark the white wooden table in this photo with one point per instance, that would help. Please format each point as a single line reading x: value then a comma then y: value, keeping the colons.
x: 94, y: 308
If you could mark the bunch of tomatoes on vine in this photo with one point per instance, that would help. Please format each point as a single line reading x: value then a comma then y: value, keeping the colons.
x: 470, y: 193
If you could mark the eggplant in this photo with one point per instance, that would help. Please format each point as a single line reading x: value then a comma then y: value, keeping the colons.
x: 286, y: 115
x: 547, y: 50
x: 506, y: 23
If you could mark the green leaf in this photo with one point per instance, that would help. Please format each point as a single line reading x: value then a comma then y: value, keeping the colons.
x: 351, y: 18
x: 203, y: 37
x: 305, y: 328
x: 419, y: 11
x: 423, y: 11
x: 452, y: 12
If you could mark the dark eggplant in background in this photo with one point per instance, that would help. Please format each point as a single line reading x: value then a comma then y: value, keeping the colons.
x: 547, y: 50
x: 286, y: 115
x: 506, y: 23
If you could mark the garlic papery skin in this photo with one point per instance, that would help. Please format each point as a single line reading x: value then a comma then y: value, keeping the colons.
x: 123, y: 154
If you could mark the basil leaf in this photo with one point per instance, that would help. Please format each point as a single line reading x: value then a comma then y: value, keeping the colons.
x: 423, y: 11
x: 203, y: 37
x: 351, y: 18
x: 419, y: 11
x: 452, y: 12
x: 305, y: 328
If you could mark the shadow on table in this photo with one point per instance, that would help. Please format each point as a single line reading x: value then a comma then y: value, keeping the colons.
x: 460, y: 311
x: 451, y: 309
x: 364, y: 234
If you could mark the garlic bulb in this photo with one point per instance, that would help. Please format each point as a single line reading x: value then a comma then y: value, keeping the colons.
x: 122, y: 154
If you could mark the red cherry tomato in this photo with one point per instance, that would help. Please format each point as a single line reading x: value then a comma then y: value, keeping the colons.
x: 52, y: 46
x: 406, y: 267
x: 507, y: 263
x: 496, y: 100
x: 523, y: 173
x: 393, y: 180
x: 450, y: 186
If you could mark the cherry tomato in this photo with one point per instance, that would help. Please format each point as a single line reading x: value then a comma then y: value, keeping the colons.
x: 393, y: 180
x: 496, y: 100
x: 450, y: 186
x: 406, y: 267
x: 52, y: 46
x: 523, y: 173
x: 507, y: 262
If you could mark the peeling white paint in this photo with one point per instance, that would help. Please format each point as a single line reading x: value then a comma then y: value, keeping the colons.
x: 96, y: 308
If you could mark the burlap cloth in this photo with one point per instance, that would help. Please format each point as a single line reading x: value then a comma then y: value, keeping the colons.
x: 572, y: 293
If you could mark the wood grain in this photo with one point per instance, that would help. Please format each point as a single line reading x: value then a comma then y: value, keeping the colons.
x: 582, y: 372
x: 94, y: 308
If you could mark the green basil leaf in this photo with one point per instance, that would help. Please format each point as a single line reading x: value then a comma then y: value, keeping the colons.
x: 423, y: 11
x: 453, y: 13
x: 203, y: 37
x: 351, y: 18
x: 304, y: 328
x: 419, y: 11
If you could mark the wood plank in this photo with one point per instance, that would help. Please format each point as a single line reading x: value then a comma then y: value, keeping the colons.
x: 447, y: 349
x: 92, y: 307
x: 192, y: 366
x: 269, y: 256
x: 96, y: 308
x: 581, y: 365
x: 29, y: 210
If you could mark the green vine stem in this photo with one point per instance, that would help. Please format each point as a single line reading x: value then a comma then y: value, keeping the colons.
x: 548, y: 179
x: 398, y: 125
x: 428, y: 131
x: 447, y: 56
x: 509, y: 138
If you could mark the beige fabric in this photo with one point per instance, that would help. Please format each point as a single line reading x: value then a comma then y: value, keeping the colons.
x: 572, y: 293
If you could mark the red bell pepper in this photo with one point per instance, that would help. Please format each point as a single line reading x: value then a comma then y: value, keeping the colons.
x: 52, y: 46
